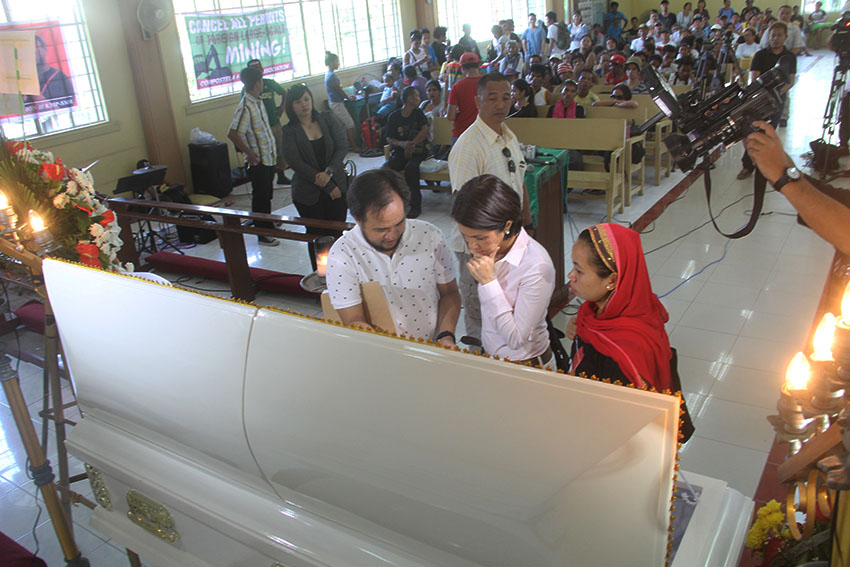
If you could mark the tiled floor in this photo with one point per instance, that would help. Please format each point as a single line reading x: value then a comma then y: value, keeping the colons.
x: 736, y: 322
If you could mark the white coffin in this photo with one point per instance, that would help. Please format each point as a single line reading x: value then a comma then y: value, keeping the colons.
x: 275, y: 438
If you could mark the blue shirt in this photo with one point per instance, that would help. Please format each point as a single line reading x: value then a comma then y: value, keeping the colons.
x: 726, y: 12
x: 612, y: 22
x: 533, y: 39
x: 332, y: 86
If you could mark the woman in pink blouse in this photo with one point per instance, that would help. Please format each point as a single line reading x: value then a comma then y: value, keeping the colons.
x: 515, y: 274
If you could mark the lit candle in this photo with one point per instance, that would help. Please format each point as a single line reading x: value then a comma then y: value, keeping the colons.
x: 322, y: 264
x: 8, y: 218
x: 841, y: 343
x: 43, y: 238
x: 822, y: 341
x: 322, y: 246
x: 826, y: 395
x: 797, y: 375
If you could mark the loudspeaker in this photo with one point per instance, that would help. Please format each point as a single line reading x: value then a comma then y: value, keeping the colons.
x: 210, y: 165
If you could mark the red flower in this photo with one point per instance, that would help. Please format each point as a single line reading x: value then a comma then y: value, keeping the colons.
x: 89, y: 254
x: 14, y: 147
x: 65, y: 172
x: 52, y: 171
x: 108, y: 217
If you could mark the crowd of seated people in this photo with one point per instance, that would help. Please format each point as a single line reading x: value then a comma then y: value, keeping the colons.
x: 548, y: 55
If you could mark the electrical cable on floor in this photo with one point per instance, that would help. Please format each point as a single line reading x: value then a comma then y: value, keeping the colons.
x: 693, y: 230
x: 17, y: 335
x: 650, y: 230
x: 37, y: 516
x: 704, y: 268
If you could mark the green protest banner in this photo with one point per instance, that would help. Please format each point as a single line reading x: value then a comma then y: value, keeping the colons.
x: 222, y: 44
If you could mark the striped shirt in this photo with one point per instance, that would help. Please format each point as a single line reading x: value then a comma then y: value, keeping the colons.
x: 481, y: 150
x: 252, y: 124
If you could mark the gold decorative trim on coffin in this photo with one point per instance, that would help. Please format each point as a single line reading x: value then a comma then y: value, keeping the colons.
x: 98, y: 487
x: 152, y: 516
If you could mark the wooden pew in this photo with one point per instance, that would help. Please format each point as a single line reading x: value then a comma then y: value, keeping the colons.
x: 655, y: 148
x: 588, y: 134
x: 744, y: 65
x: 637, y: 116
x: 442, y: 137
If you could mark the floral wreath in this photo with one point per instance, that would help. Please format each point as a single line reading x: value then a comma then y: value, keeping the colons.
x: 83, y: 229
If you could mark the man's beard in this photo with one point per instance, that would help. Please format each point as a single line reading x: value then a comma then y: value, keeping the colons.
x: 385, y: 249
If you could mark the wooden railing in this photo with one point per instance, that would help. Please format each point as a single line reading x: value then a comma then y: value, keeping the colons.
x: 230, y: 230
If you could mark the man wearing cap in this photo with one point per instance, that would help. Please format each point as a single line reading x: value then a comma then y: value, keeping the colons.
x: 633, y: 77
x: 462, y: 110
x: 274, y: 111
x: 617, y: 74
x: 698, y: 28
x: 716, y: 32
x: 637, y: 43
x: 663, y: 40
x: 565, y: 72
x: 487, y: 146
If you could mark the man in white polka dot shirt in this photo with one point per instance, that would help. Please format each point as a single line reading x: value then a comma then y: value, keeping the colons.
x: 408, y: 257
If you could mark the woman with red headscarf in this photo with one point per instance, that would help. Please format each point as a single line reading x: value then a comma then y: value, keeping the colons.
x: 618, y: 332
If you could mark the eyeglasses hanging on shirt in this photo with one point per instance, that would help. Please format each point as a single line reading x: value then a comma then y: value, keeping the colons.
x: 506, y: 151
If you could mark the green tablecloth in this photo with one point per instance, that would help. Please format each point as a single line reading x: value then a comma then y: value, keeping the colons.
x: 542, y: 173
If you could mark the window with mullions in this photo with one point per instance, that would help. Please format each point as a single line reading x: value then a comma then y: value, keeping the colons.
x: 454, y: 13
x: 69, y: 91
x: 219, y: 37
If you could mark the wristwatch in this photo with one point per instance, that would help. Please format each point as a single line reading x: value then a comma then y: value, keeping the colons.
x: 791, y: 174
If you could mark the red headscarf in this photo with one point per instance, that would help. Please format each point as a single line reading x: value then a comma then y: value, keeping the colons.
x: 631, y: 328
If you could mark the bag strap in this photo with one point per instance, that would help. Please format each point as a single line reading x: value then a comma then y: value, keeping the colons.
x: 759, y: 188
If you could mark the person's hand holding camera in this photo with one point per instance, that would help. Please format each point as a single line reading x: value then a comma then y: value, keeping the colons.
x: 767, y: 153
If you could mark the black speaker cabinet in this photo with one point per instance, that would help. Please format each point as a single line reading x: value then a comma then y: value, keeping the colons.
x: 210, y: 165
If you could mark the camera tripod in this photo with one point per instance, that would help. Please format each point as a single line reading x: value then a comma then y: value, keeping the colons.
x: 832, y: 113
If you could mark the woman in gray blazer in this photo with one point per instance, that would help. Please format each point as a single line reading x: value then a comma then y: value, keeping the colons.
x: 315, y: 146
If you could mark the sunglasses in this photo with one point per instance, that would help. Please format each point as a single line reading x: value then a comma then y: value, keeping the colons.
x: 511, y: 165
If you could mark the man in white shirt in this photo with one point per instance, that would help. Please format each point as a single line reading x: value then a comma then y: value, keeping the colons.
x: 408, y: 257
x: 794, y: 42
x: 488, y: 146
x: 749, y: 47
x: 638, y: 42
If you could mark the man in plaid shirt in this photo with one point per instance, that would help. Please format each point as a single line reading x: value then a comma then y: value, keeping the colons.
x: 251, y: 134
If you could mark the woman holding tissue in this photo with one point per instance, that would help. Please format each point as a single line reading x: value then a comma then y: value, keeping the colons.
x: 515, y: 274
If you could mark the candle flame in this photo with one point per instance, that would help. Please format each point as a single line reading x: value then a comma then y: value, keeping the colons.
x: 4, y: 201
x: 322, y: 264
x: 845, y: 305
x: 36, y: 222
x: 797, y: 375
x: 824, y: 335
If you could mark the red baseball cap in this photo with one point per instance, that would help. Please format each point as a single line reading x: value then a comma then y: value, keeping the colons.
x: 469, y: 57
x: 618, y: 59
